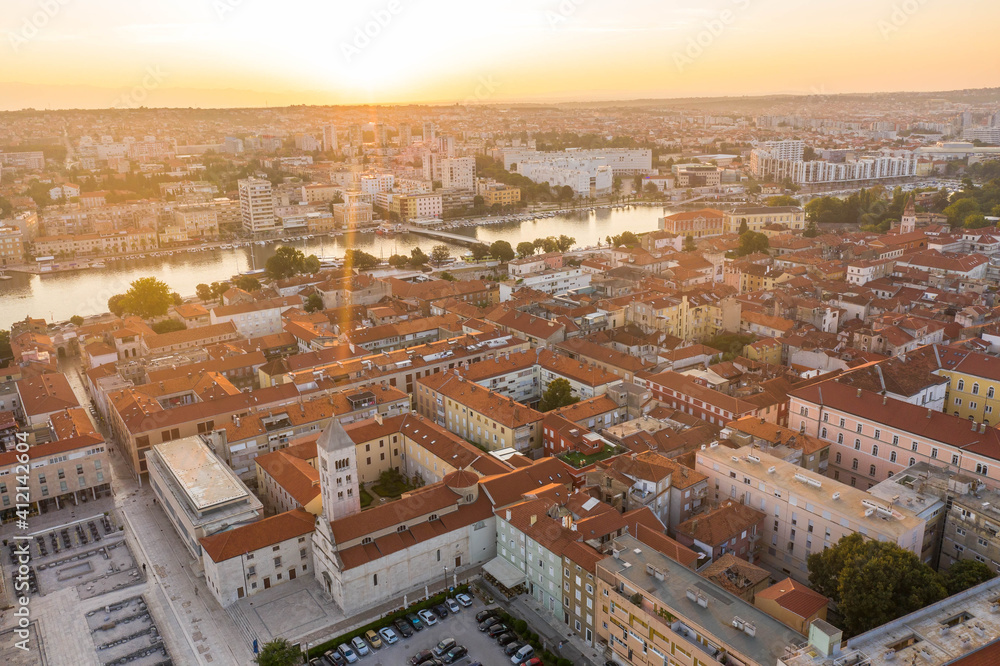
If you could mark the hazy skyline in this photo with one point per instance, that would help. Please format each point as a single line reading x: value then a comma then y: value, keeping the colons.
x: 65, y: 53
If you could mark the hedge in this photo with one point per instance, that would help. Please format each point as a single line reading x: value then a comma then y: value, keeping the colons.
x: 385, y: 620
x: 520, y: 628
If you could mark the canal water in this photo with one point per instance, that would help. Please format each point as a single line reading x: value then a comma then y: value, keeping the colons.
x: 60, y: 296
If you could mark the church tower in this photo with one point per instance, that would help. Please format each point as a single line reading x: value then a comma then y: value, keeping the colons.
x: 909, y: 221
x: 338, y: 485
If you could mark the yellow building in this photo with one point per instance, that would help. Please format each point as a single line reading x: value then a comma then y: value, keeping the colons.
x: 767, y: 350
x: 757, y: 217
x: 11, y: 246
x: 652, y: 610
x: 479, y: 415
x: 973, y: 381
x: 504, y: 196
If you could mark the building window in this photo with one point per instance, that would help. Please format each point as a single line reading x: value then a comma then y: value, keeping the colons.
x: 895, y: 440
x: 871, y: 470
x: 823, y: 433
x: 892, y: 456
x: 840, y: 438
x: 975, y: 389
x: 961, y: 385
x: 374, y: 579
x: 857, y: 444
x: 982, y: 469
x: 913, y: 446
x: 875, y: 450
x: 854, y: 465
x: 934, y: 453
x: 837, y: 457
x: 913, y: 461
x: 859, y: 428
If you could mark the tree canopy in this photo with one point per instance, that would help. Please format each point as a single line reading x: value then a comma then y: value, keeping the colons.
x: 278, y: 652
x: 751, y: 242
x: 873, y: 582
x: 965, y: 574
x: 480, y: 251
x: 359, y: 259
x: 525, y: 249
x: 146, y: 297
x: 440, y: 254
x: 288, y: 261
x: 314, y: 303
x: 558, y: 394
x: 249, y: 282
x: 626, y: 238
x: 501, y: 250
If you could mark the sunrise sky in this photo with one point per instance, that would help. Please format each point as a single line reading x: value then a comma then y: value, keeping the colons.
x: 252, y: 52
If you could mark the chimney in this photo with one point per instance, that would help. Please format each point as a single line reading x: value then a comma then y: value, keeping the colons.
x: 534, y: 519
x: 982, y: 427
x: 974, y: 426
x: 859, y: 393
x: 929, y: 412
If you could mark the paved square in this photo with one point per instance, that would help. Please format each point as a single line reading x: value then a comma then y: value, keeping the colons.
x: 10, y: 655
x: 288, y: 615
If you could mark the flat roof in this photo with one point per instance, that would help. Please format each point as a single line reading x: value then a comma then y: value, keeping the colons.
x: 206, y: 481
x: 716, y: 617
x: 805, y: 488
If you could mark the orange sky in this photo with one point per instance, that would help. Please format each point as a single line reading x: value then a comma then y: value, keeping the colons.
x: 251, y: 52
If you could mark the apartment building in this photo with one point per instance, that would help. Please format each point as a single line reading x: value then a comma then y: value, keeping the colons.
x: 682, y: 392
x: 257, y: 205
x: 551, y: 281
x: 419, y: 206
x: 258, y: 318
x: 805, y: 512
x: 652, y: 610
x: 758, y: 217
x: 874, y: 436
x: 11, y: 246
x: 478, y: 414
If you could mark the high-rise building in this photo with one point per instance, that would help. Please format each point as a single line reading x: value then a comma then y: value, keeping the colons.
x: 381, y: 135
x: 355, y: 135
x: 405, y: 135
x: 429, y: 132
x: 329, y: 137
x: 257, y: 205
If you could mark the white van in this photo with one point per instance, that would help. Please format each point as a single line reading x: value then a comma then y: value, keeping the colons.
x: 522, y: 655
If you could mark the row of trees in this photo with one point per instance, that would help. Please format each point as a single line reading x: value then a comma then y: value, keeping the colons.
x: 547, y: 244
x: 874, y: 582
x: 288, y: 261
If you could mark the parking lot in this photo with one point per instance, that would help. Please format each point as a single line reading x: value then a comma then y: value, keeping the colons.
x: 461, y: 626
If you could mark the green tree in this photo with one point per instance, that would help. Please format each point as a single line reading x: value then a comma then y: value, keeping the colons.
x: 440, y: 254
x: 626, y: 238
x: 565, y: 193
x: 781, y: 200
x: 751, y: 242
x: 965, y: 574
x: 168, y: 326
x: 247, y: 283
x: 448, y: 276
x: 565, y: 243
x: 480, y: 251
x: 539, y: 243
x: 744, y: 227
x: 146, y: 297
x: 418, y: 257
x: 311, y: 264
x: 976, y: 221
x: 501, y: 250
x: 6, y: 353
x: 558, y: 394
x: 314, y: 303
x: 689, y: 244
x: 203, y: 292
x: 873, y: 582
x: 811, y: 230
x: 219, y: 288
x: 178, y: 300
x: 286, y: 262
x: 958, y: 211
x: 398, y: 260
x: 116, y: 305
x: 354, y: 258
x: 651, y: 188
x: 76, y: 320
x: 525, y: 249
x: 278, y: 652
x: 550, y: 244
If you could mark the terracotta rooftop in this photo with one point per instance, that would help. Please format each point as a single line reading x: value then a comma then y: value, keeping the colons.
x: 261, y: 534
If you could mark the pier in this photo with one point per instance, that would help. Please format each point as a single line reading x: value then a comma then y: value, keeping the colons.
x: 440, y: 235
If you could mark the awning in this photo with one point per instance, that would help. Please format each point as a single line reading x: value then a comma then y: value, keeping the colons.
x: 504, y: 572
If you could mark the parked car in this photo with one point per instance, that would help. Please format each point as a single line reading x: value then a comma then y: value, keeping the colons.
x: 455, y: 654
x: 421, y: 657
x: 388, y: 635
x: 373, y: 639
x: 506, y: 638
x: 464, y: 599
x: 429, y: 618
x: 441, y: 611
x: 360, y: 646
x: 483, y: 614
x: 522, y: 655
x: 403, y: 626
x: 452, y: 605
x: 334, y: 658
x: 445, y: 645
x: 415, y: 621
x: 488, y: 622
x: 496, y: 629
x: 350, y: 656
x: 513, y: 647
x: 534, y: 661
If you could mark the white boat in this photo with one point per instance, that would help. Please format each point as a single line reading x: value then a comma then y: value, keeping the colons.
x: 94, y: 264
x: 4, y: 276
